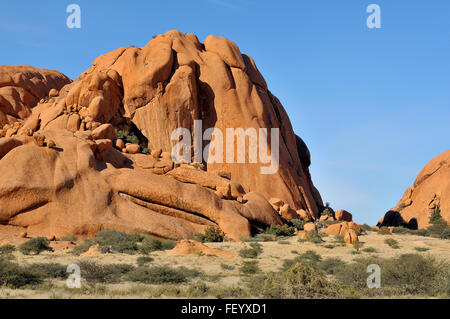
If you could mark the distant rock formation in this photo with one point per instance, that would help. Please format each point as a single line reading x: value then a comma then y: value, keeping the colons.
x: 78, y: 157
x: 431, y: 189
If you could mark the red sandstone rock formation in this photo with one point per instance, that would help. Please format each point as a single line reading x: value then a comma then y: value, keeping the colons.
x: 431, y: 188
x: 64, y: 171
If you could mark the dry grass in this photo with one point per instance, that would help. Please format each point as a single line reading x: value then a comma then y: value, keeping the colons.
x: 271, y: 259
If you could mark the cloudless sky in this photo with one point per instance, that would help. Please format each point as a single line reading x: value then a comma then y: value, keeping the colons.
x: 373, y: 105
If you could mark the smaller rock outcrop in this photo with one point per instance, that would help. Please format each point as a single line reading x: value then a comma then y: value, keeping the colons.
x: 188, y: 247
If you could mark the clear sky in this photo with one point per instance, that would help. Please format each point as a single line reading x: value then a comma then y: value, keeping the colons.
x: 373, y: 105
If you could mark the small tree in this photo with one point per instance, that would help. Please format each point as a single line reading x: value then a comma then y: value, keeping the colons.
x: 35, y: 246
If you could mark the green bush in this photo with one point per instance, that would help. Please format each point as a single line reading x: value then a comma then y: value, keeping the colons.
x: 277, y: 230
x: 158, y: 275
x: 400, y: 230
x: 384, y: 231
x: 366, y: 228
x: 14, y: 276
x: 92, y: 271
x: 50, y: 270
x: 127, y: 137
x: 227, y: 267
x: 249, y: 267
x: 7, y: 249
x: 125, y: 243
x: 298, y: 282
x: 298, y: 223
x: 253, y: 251
x: 211, y: 235
x: 415, y: 273
x: 355, y: 274
x: 150, y: 244
x: 445, y: 234
x: 406, y: 274
x: 331, y: 265
x: 259, y: 238
x: 391, y: 242
x: 435, y: 216
x: 118, y: 241
x: 369, y: 250
x: 142, y: 260
x: 339, y: 239
x: 35, y: 246
x: 310, y: 258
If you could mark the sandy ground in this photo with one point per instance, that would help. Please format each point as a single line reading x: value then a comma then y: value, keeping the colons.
x: 274, y: 253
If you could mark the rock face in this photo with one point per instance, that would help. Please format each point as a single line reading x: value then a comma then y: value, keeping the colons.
x: 188, y: 247
x: 22, y: 87
x: 65, y: 171
x: 431, y: 189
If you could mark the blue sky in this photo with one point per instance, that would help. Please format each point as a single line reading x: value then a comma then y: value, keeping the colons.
x: 373, y: 105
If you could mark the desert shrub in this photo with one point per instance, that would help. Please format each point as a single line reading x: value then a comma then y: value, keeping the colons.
x: 331, y: 265
x: 253, y: 251
x: 211, y: 235
x: 142, y: 260
x: 366, y: 228
x: 357, y: 245
x: 150, y: 244
x: 227, y: 267
x: 438, y: 226
x: 284, y: 242
x: 35, y: 246
x: 384, y: 231
x: 445, y: 234
x: 312, y: 236
x: 355, y: 274
x: 435, y: 216
x: 369, y: 250
x: 198, y: 289
x: 310, y: 258
x: 421, y: 249
x: 249, y: 267
x: 277, y: 230
x: 127, y: 136
x: 92, y: 271
x: 391, y: 242
x: 339, y: 239
x: 48, y: 270
x: 158, y: 275
x: 414, y: 273
x: 118, y: 241
x: 7, y: 249
x: 299, y: 281
x: 400, y: 230
x: 298, y: 223
x: 328, y: 211
x: 329, y: 246
x: 258, y: 238
x: 14, y: 276
x: 420, y: 232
